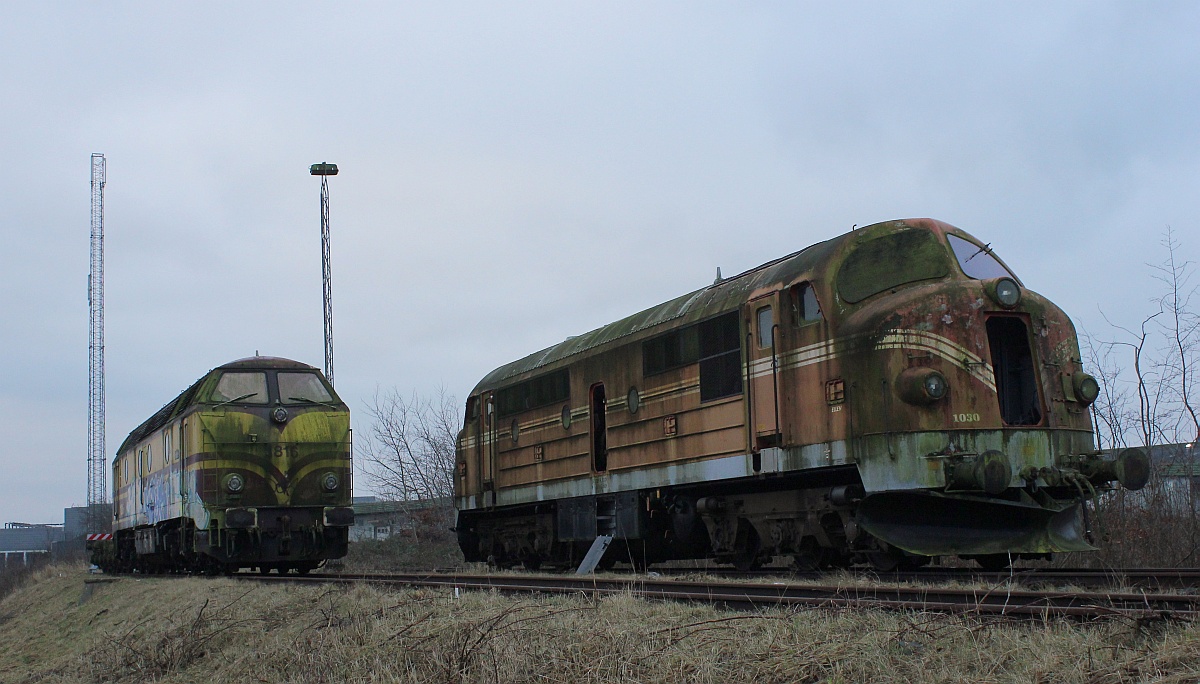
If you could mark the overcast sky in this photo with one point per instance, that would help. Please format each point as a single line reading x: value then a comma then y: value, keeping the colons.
x: 514, y: 173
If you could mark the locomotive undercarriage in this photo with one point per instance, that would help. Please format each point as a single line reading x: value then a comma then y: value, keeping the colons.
x: 820, y: 520
x: 286, y: 539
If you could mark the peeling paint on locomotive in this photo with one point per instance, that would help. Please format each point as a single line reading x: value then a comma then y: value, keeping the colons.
x: 896, y: 394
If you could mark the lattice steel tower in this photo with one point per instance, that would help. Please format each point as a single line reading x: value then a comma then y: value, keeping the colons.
x: 325, y: 170
x: 97, y: 461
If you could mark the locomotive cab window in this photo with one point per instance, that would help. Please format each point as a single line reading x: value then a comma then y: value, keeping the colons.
x: 889, y: 261
x: 250, y: 388
x: 766, y: 325
x: 805, y: 307
x: 977, y: 262
x: 302, y: 388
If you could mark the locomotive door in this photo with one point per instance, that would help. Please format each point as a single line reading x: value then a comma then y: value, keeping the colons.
x: 485, y: 449
x: 763, y: 358
x: 180, y: 458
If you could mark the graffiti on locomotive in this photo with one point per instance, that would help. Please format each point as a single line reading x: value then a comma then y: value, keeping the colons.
x: 248, y: 468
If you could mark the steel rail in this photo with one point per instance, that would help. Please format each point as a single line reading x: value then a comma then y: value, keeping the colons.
x: 1148, y: 578
x: 1145, y: 578
x: 996, y: 601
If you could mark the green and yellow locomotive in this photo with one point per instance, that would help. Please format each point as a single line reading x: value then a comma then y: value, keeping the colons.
x: 887, y: 396
x: 250, y: 467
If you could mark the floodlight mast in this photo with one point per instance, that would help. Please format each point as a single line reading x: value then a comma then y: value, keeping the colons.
x: 325, y: 170
x: 97, y: 519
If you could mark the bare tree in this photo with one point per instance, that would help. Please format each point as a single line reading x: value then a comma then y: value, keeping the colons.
x: 1180, y: 328
x: 1153, y: 366
x: 409, y: 454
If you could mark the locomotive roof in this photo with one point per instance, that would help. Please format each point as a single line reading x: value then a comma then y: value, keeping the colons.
x: 163, y: 416
x: 717, y: 298
x: 722, y: 296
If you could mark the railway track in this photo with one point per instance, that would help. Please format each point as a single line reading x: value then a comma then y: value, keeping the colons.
x: 1139, y: 578
x: 997, y: 601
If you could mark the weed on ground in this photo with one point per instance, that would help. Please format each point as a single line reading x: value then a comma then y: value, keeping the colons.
x: 226, y: 630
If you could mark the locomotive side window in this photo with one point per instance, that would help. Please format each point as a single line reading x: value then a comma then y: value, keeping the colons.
x: 766, y: 324
x: 720, y: 357
x: 805, y: 307
x: 472, y: 410
x: 977, y: 262
x: 670, y: 351
x: 889, y: 261
x: 551, y: 388
x: 302, y: 387
x: 250, y: 388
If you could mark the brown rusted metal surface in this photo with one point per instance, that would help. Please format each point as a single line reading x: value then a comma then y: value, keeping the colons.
x: 840, y: 345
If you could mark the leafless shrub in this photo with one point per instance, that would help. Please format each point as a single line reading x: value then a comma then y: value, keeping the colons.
x: 409, y: 453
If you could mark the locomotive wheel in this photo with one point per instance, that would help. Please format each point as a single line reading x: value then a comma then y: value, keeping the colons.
x: 811, y: 556
x: 884, y: 557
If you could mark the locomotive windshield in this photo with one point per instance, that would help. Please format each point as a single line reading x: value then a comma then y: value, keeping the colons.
x: 302, y: 387
x: 250, y: 388
x: 880, y: 264
x: 977, y: 262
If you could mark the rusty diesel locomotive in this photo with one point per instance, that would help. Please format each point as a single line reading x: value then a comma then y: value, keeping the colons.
x: 887, y: 396
x: 250, y: 467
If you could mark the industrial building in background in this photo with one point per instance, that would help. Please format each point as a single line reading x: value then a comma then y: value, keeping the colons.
x: 98, y: 518
x: 325, y: 170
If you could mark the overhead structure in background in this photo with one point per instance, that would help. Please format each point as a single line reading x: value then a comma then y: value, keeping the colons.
x: 98, y: 519
x: 325, y: 170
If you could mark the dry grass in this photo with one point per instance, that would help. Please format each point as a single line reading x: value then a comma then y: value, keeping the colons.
x: 220, y: 630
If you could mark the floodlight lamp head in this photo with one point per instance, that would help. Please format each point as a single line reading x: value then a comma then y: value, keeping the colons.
x: 323, y: 169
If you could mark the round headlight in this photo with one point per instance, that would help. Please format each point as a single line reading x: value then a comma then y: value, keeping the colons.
x: 279, y: 415
x: 329, y: 482
x: 934, y: 385
x: 234, y: 483
x: 921, y: 386
x: 1008, y: 293
x: 1086, y: 388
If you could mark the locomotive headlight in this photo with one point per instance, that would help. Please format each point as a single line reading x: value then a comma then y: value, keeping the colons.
x: 329, y: 482
x: 935, y: 386
x: 234, y: 483
x: 921, y: 386
x: 1005, y: 291
x: 1086, y: 388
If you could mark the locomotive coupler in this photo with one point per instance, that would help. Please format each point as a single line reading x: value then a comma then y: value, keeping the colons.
x: 990, y: 472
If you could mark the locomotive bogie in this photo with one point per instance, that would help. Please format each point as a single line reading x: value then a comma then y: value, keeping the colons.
x: 903, y: 363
